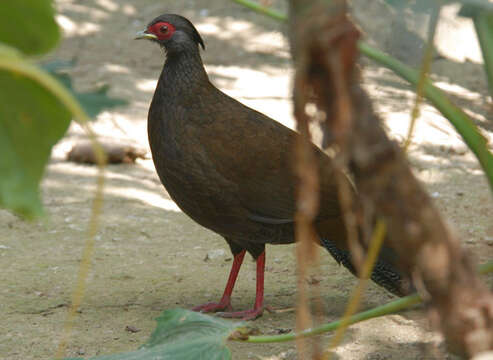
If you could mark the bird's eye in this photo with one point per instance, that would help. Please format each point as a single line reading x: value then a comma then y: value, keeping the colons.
x: 163, y: 29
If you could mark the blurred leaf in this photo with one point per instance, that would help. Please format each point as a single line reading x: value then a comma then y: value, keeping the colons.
x: 415, y: 5
x: 93, y: 102
x: 483, y: 22
x: 183, y: 335
x: 485, y: 5
x: 32, y: 120
x: 424, y: 6
x: 28, y: 25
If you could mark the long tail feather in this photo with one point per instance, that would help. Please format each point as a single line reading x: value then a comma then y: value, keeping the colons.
x: 384, y: 274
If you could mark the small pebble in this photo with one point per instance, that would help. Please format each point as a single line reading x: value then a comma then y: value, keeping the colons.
x: 214, y: 254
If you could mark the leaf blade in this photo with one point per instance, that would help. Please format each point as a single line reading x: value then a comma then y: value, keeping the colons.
x: 29, y: 26
x: 182, y: 335
x: 32, y: 120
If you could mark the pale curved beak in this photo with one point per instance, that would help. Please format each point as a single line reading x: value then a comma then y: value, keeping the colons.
x: 145, y: 35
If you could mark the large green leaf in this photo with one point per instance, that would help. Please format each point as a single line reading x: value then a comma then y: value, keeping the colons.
x: 183, y: 335
x: 32, y: 120
x: 28, y: 25
x: 35, y: 111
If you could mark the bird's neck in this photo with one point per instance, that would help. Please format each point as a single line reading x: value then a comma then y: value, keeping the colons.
x: 183, y: 70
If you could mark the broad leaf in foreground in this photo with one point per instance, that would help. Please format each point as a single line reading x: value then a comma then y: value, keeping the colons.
x: 28, y: 25
x: 183, y: 335
x: 32, y: 120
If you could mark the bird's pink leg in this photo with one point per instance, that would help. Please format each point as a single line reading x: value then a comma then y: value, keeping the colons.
x: 258, y: 307
x: 225, y: 302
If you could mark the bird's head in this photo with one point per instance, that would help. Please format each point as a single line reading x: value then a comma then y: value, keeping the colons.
x: 173, y: 32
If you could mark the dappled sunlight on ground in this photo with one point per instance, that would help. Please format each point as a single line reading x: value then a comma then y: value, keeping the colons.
x: 150, y: 198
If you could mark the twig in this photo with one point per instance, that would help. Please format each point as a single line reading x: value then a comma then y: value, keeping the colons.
x: 424, y: 71
x: 307, y: 204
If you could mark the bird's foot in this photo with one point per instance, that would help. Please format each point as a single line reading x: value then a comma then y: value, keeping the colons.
x: 213, y: 307
x: 244, y: 315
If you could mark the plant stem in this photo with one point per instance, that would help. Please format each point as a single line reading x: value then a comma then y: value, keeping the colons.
x: 483, y: 22
x: 423, y: 72
x: 11, y: 61
x: 262, y: 9
x: 92, y: 229
x: 462, y: 123
x: 390, y: 308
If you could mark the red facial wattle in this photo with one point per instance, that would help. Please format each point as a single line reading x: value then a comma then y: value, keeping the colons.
x: 163, y: 30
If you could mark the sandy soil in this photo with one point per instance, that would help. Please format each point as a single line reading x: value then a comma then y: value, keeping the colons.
x: 149, y: 256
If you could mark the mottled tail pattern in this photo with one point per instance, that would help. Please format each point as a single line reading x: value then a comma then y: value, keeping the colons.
x: 383, y: 273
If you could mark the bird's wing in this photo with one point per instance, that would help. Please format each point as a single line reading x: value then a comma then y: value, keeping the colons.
x: 269, y: 220
x: 257, y: 155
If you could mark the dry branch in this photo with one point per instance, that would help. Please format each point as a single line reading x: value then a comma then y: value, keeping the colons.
x: 324, y: 47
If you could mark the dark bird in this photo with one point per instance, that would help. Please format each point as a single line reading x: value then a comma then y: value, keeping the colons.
x: 229, y: 168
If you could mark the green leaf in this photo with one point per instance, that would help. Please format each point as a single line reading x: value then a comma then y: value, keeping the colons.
x: 483, y: 23
x: 484, y: 5
x: 28, y: 25
x: 92, y: 102
x: 423, y: 6
x: 32, y: 120
x: 183, y: 335
x: 35, y: 111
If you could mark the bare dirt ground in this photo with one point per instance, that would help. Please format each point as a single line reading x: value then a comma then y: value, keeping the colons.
x: 149, y: 256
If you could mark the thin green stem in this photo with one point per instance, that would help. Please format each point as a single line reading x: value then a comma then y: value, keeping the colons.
x: 462, y: 123
x: 262, y: 9
x: 93, y: 226
x: 483, y: 22
x: 11, y: 61
x: 390, y: 308
x: 424, y: 70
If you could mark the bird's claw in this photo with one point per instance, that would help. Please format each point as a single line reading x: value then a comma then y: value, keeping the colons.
x: 213, y: 307
x: 244, y: 315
